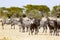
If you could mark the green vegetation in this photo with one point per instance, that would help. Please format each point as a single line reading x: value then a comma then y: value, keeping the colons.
x: 36, y: 11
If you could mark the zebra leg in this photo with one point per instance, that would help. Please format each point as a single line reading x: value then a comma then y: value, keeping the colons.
x: 46, y: 29
x: 11, y: 26
x: 19, y: 29
x: 57, y: 32
x: 27, y: 29
x: 14, y: 26
x: 43, y: 29
x: 2, y: 27
x: 50, y: 32
x: 23, y: 29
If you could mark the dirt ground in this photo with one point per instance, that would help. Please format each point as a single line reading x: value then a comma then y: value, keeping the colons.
x: 12, y: 34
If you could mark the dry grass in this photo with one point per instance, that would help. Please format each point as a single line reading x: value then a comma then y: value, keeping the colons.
x: 11, y: 34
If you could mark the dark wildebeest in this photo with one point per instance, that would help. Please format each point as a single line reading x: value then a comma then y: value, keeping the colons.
x: 58, y: 27
x: 54, y: 26
x: 51, y: 25
x: 35, y: 26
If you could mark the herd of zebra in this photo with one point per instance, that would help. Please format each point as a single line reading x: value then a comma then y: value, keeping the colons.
x: 34, y: 24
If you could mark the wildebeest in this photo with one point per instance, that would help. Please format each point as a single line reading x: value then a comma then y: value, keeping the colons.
x: 54, y: 26
x: 57, y: 24
x: 51, y: 25
x: 35, y: 26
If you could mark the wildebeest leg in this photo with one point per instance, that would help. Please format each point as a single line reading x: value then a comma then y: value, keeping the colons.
x: 46, y: 29
x: 50, y: 32
x: 12, y: 26
x: 57, y: 32
x: 39, y: 27
x: 32, y: 31
x: 27, y: 29
x: 36, y: 31
x: 3, y: 25
x: 43, y: 29
x: 23, y: 28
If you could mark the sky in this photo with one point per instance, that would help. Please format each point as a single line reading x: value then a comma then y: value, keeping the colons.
x: 21, y: 3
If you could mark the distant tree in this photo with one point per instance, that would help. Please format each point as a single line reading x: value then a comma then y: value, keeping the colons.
x: 37, y: 9
x: 15, y: 11
x: 43, y: 9
x: 56, y: 10
x: 3, y: 11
